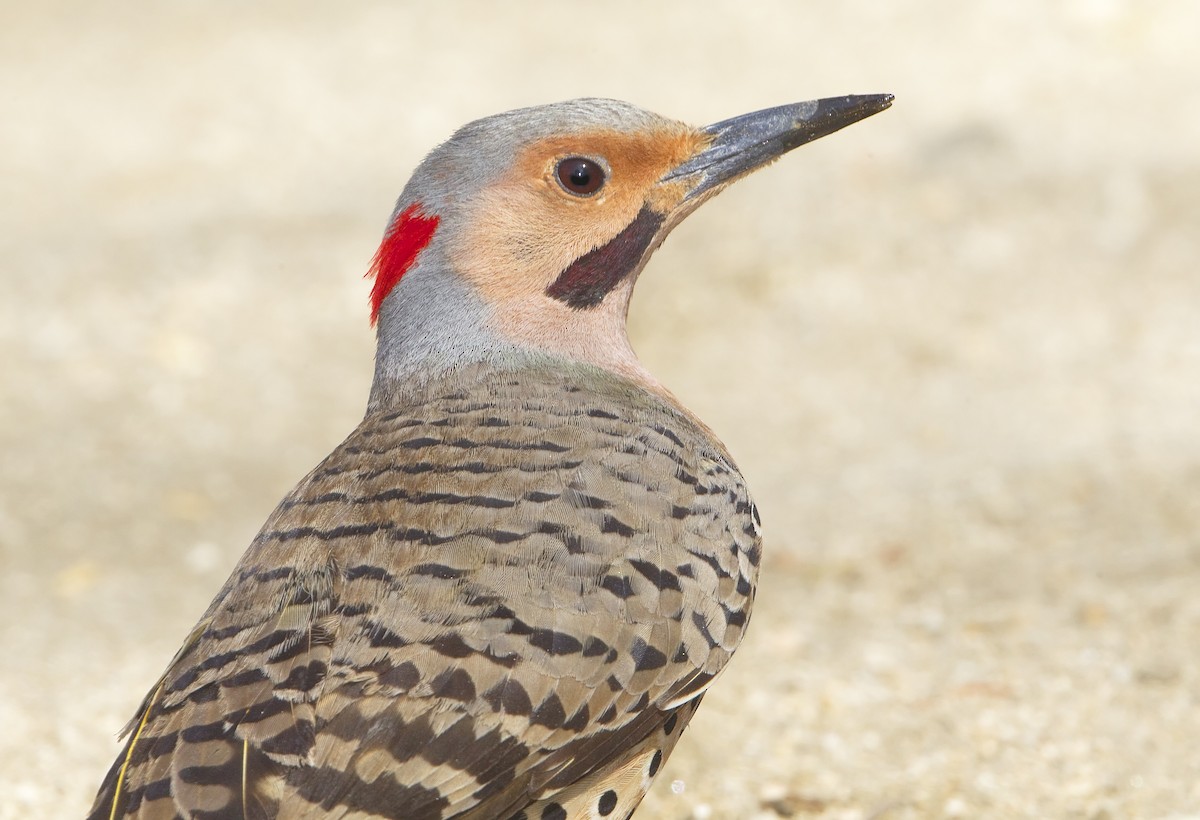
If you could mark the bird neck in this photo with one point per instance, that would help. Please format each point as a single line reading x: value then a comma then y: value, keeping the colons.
x: 435, y: 323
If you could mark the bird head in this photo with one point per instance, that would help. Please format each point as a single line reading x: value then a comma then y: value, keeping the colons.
x: 524, y: 233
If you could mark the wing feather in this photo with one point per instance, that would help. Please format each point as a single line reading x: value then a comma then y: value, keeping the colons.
x: 467, y: 608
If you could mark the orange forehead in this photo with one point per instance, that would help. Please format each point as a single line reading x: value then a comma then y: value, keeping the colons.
x: 636, y: 160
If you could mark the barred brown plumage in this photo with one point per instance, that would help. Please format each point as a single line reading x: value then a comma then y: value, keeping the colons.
x: 505, y: 594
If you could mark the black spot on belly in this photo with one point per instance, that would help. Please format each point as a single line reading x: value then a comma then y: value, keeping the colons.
x: 606, y: 803
x: 655, y: 762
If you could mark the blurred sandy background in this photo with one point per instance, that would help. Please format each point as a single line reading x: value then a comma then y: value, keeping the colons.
x: 955, y: 348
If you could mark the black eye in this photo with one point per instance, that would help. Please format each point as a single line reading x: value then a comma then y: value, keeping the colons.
x: 580, y: 175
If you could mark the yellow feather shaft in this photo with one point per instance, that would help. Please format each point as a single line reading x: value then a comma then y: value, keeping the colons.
x: 129, y: 752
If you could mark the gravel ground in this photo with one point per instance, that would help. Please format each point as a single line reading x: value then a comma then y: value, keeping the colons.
x: 955, y: 348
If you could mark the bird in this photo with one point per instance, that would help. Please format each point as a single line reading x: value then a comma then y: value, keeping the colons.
x: 506, y: 593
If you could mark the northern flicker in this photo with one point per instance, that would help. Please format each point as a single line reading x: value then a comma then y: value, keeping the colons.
x: 505, y: 594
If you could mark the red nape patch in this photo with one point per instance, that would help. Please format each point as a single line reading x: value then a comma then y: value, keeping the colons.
x: 407, y: 236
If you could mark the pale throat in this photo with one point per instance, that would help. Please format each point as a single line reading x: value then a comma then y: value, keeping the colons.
x: 596, y: 336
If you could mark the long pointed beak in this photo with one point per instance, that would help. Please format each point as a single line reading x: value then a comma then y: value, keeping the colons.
x: 743, y: 144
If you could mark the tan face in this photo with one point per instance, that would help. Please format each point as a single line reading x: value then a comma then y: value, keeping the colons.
x: 527, y: 227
